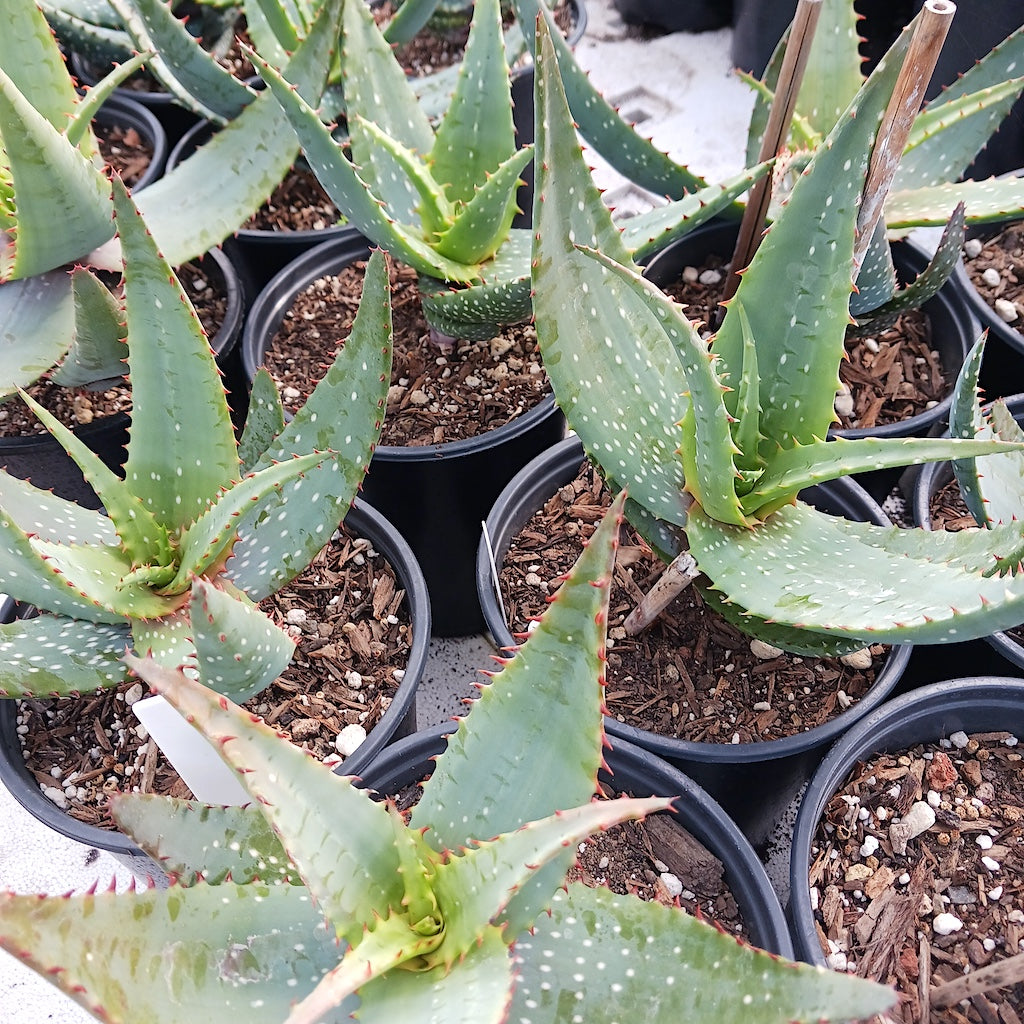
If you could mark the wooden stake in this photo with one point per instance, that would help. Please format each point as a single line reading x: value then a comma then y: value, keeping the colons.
x: 998, y: 975
x: 776, y: 131
x: 929, y: 34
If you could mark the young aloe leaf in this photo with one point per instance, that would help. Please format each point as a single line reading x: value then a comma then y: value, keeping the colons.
x: 263, y: 422
x: 800, y: 341
x: 561, y: 660
x: 502, y: 297
x: 585, y: 954
x: 175, y: 379
x: 372, y: 72
x: 193, y: 841
x: 745, y: 428
x: 349, y: 192
x: 946, y: 138
x: 259, y: 146
x: 408, y: 20
x: 630, y: 154
x: 993, y: 199
x: 279, y: 536
x: 273, y: 28
x: 182, y: 66
x: 353, y: 875
x: 225, y: 951
x: 793, y: 469
x: 37, y: 155
x: 476, y: 134
x: 884, y: 584
x: 650, y: 231
x: 1001, y: 477
x: 78, y: 129
x: 51, y: 655
x: 144, y: 540
x: 585, y: 333
x: 38, y: 314
x: 966, y: 420
x: 98, y: 351
x: 483, y: 224
x: 239, y: 649
x: 483, y: 879
x: 925, y: 285
x: 168, y: 640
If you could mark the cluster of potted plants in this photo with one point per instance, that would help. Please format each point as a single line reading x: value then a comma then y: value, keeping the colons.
x: 705, y: 461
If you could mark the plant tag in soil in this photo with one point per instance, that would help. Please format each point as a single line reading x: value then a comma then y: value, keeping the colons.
x: 194, y: 759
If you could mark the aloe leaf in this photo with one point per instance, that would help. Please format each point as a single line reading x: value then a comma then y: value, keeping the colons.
x: 800, y: 341
x: 883, y: 585
x: 98, y: 38
x: 193, y: 841
x: 239, y: 649
x: 793, y: 469
x: 433, y: 211
x: 371, y: 73
x: 208, y: 540
x: 350, y: 193
x: 966, y: 420
x: 182, y: 66
x: 947, y: 137
x: 993, y: 199
x: 353, y: 875
x: 1000, y: 477
x: 103, y: 574
x: 37, y: 156
x: 259, y: 146
x: 650, y: 231
x: 586, y: 955
x: 144, y: 539
x: 483, y: 224
x: 272, y: 29
x: 46, y: 515
x: 31, y: 56
x: 925, y: 285
x: 51, y: 655
x: 477, y: 991
x: 279, y: 536
x: 166, y: 956
x: 876, y: 279
x: 78, y: 129
x: 174, y: 381
x: 607, y: 362
x: 833, y: 74
x: 38, y: 317
x: 630, y: 154
x: 31, y: 579
x: 263, y: 421
x: 408, y: 20
x: 476, y: 134
x: 559, y: 663
x: 745, y: 432
x: 167, y: 640
x: 478, y: 311
x: 482, y: 880
x: 98, y: 350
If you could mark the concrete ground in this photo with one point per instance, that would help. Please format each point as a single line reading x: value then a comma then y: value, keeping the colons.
x: 679, y: 90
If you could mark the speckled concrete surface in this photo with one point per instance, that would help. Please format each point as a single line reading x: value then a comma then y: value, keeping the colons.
x: 680, y: 91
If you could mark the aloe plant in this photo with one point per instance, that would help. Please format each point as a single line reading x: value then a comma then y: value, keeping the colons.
x: 443, y: 200
x: 55, y: 205
x: 198, y: 526
x: 715, y: 442
x: 458, y: 914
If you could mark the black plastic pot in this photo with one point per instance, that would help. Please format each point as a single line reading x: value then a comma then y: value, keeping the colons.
x: 640, y: 773
x: 976, y: 704
x: 1002, y: 372
x: 755, y: 782
x: 436, y: 495
x: 671, y: 16
x: 998, y: 653
x: 953, y: 330
x: 399, y: 720
x: 125, y: 112
x: 40, y: 459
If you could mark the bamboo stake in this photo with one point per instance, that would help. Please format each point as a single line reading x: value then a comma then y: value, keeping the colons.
x: 798, y: 47
x: 929, y: 34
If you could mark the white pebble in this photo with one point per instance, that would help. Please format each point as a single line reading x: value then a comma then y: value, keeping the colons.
x: 990, y: 863
x: 295, y: 616
x: 670, y: 884
x: 1010, y: 741
x: 56, y: 771
x: 990, y: 276
x: 844, y: 405
x: 762, y: 705
x: 56, y: 796
x: 1006, y: 310
x: 904, y: 878
x: 984, y: 841
x: 710, y: 277
x: 690, y: 274
x: 946, y: 924
x: 933, y: 798
x: 918, y: 819
x: 857, y: 659
x: 764, y: 651
x: 988, y: 945
x: 972, y: 248
x: 869, y: 847
x: 996, y: 893
x: 959, y: 740
x: 133, y: 694
x: 836, y: 961
x: 348, y: 739
x: 871, y: 345
x: 354, y: 679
